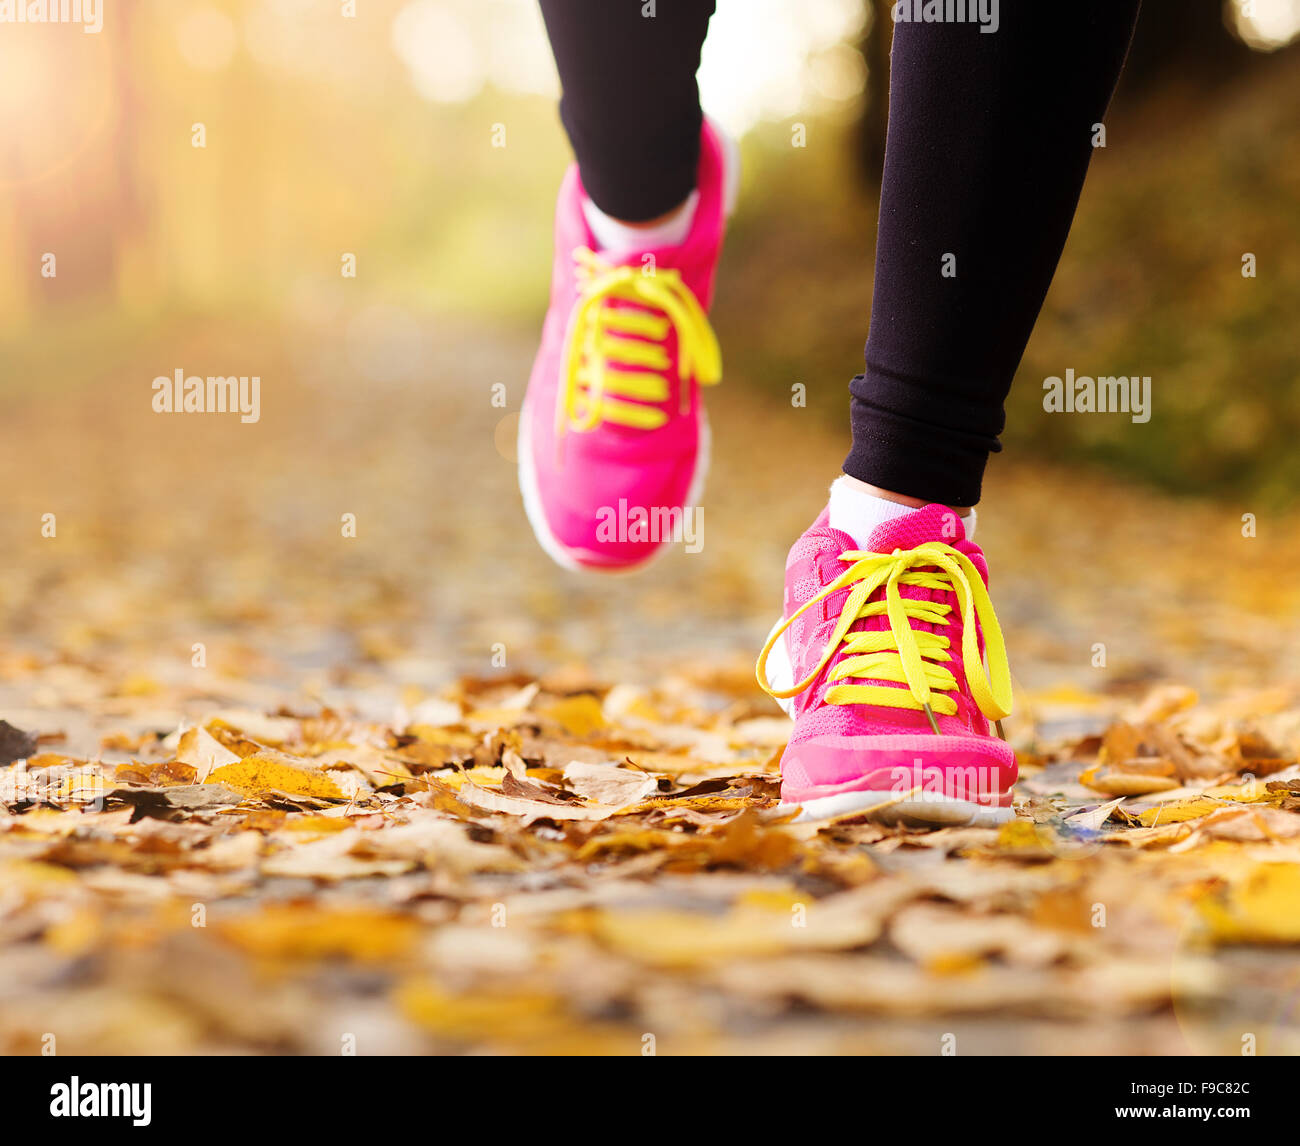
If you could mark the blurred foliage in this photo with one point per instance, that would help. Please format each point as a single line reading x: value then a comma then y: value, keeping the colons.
x: 1151, y: 283
x: 319, y: 143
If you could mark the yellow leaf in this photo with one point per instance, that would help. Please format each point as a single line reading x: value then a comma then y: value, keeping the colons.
x: 320, y: 824
x: 773, y: 898
x: 483, y: 777
x: 577, y: 715
x: 75, y: 934
x: 477, y: 1016
x: 1178, y: 810
x: 80, y: 788
x: 51, y: 760
x: 640, y: 709
x: 139, y: 685
x: 304, y: 932
x: 260, y: 773
x: 1020, y: 835
x: 953, y: 963
x: 1251, y: 792
x: 684, y: 939
x: 35, y: 875
x: 442, y: 737
x: 1265, y: 908
x: 499, y: 717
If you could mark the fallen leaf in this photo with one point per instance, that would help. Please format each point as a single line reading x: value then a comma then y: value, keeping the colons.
x: 1177, y: 811
x: 15, y: 744
x: 579, y: 716
x: 1113, y: 782
x: 255, y: 775
x: 529, y: 809
x: 1264, y: 908
x: 309, y: 932
x: 608, y: 784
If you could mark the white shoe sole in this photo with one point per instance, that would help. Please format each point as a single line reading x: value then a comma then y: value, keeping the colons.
x: 931, y: 811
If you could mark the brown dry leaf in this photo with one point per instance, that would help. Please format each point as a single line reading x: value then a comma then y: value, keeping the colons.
x: 1093, y: 818
x: 1120, y: 742
x: 753, y: 927
x: 609, y: 784
x: 1164, y: 701
x: 250, y: 724
x: 125, y: 742
x: 167, y: 773
x: 1248, y: 751
x: 232, y: 738
x: 170, y: 801
x: 1247, y: 792
x: 334, y: 857
x: 203, y: 752
x: 1251, y: 824
x: 876, y: 985
x: 747, y: 840
x: 1286, y: 793
x: 16, y: 744
x: 932, y: 934
x: 1150, y: 749
x: 533, y: 784
x: 529, y: 809
x: 436, y: 842
x: 379, y: 766
x: 670, y: 763
x: 1113, y: 782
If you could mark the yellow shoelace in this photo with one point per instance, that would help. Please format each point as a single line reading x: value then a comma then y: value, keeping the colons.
x: 592, y: 391
x: 900, y: 653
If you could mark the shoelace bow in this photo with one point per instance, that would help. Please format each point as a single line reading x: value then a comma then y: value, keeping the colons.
x: 901, y: 653
x: 593, y: 391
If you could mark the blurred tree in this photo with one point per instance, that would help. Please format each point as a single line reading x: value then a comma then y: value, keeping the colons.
x: 84, y: 219
x: 1183, y: 42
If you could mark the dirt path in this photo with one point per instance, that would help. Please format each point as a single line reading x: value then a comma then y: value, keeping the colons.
x: 403, y: 839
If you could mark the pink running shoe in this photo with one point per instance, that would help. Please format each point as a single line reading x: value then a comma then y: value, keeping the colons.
x: 613, y: 438
x: 880, y: 659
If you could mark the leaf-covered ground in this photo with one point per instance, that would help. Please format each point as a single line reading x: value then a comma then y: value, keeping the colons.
x: 415, y: 790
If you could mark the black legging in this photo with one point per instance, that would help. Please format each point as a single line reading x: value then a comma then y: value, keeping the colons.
x: 989, y: 140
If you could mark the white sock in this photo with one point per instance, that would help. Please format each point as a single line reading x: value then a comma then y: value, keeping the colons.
x: 616, y: 238
x: 857, y: 512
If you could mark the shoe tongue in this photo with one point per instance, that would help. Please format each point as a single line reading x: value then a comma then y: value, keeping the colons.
x: 932, y: 523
